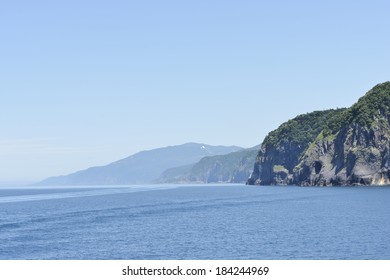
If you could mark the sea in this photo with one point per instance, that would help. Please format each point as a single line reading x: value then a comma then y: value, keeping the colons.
x: 191, y: 222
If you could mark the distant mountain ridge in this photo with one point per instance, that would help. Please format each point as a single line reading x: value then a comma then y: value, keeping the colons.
x: 143, y: 167
x: 235, y: 167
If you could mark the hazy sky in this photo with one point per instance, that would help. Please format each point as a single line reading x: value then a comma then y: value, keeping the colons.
x: 84, y: 83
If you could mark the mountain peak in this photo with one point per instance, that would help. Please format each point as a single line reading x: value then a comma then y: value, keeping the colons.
x: 143, y: 167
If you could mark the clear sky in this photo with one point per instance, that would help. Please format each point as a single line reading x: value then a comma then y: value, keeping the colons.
x: 85, y: 83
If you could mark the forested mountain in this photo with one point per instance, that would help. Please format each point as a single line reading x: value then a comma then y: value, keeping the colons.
x: 234, y: 167
x: 334, y: 147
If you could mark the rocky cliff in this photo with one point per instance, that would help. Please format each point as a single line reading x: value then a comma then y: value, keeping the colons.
x: 334, y: 147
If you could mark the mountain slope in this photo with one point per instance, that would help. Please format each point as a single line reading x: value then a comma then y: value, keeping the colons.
x: 143, y: 167
x: 343, y: 147
x: 230, y: 168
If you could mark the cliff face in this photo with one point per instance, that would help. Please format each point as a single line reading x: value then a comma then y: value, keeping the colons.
x: 346, y: 147
x: 283, y: 148
x: 357, y: 156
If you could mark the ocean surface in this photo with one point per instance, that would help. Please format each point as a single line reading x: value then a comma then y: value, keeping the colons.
x: 195, y: 222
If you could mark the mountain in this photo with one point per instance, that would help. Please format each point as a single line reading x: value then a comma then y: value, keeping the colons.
x: 234, y: 167
x: 143, y: 167
x: 334, y: 147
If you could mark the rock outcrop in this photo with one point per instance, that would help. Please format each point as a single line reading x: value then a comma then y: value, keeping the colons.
x: 334, y: 147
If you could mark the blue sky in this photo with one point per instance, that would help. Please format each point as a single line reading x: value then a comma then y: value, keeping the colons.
x: 84, y: 83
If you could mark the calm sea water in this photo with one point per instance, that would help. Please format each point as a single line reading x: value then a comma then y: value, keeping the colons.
x: 195, y: 222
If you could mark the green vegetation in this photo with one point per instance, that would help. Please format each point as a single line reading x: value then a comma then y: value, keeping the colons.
x: 305, y: 128
x: 301, y: 130
x: 375, y: 104
x: 280, y: 168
